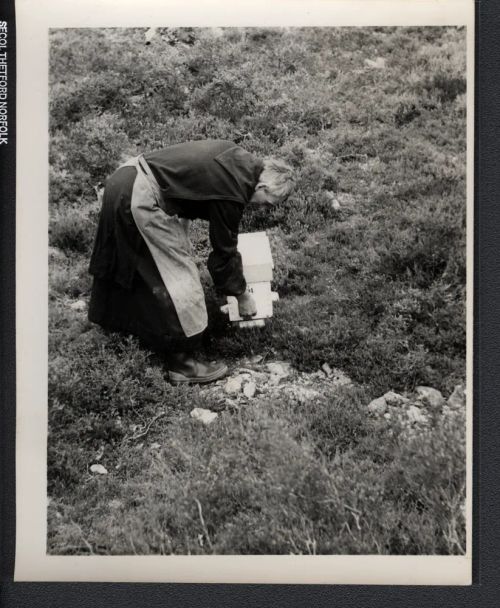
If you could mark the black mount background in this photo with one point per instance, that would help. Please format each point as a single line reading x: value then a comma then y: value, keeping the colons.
x: 485, y: 591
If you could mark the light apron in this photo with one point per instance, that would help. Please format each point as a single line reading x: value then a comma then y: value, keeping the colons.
x: 167, y: 240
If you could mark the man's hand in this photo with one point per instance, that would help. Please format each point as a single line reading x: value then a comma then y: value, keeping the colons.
x: 246, y: 305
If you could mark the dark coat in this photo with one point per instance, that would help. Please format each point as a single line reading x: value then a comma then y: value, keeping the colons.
x: 209, y: 179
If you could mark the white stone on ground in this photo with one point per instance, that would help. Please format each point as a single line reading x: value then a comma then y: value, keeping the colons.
x: 457, y: 398
x: 203, y: 415
x: 377, y: 406
x: 79, y: 305
x: 98, y: 469
x: 429, y: 395
x: 415, y: 414
x: 327, y: 369
x: 233, y: 385
x: 279, y: 369
x: 249, y: 389
x: 395, y: 399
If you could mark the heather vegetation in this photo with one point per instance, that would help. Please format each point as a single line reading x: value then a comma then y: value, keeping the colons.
x: 369, y: 263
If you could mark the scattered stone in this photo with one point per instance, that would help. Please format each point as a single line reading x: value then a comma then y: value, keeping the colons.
x: 395, y: 399
x: 155, y: 446
x: 457, y: 398
x: 98, y: 469
x: 429, y: 396
x: 100, y: 453
x: 378, y: 63
x: 274, y: 380
x: 377, y: 406
x: 115, y: 504
x: 233, y: 385
x: 150, y: 34
x: 387, y: 416
x: 249, y: 389
x: 334, y: 203
x: 56, y: 254
x: 327, y: 369
x: 203, y: 415
x: 260, y: 377
x: 79, y: 306
x: 339, y: 378
x: 415, y: 414
x: 279, y: 369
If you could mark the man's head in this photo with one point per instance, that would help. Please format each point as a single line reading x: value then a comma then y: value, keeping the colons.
x: 275, y: 183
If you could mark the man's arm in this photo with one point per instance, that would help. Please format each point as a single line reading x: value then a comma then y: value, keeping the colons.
x: 224, y: 262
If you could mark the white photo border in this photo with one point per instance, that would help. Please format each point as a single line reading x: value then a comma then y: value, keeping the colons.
x: 34, y: 19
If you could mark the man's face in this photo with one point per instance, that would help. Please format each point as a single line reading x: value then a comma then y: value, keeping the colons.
x: 262, y: 196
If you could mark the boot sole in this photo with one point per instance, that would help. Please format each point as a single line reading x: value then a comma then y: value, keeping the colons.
x: 177, y: 378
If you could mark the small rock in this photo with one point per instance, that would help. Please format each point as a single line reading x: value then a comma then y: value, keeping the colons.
x: 203, y: 415
x: 377, y: 406
x: 457, y: 398
x: 395, y: 399
x: 100, y: 453
x: 415, y: 414
x: 334, y: 203
x: 429, y: 395
x: 378, y: 63
x: 56, y: 254
x: 115, y: 503
x: 278, y: 369
x: 155, y: 445
x: 447, y: 410
x: 150, y: 34
x: 233, y: 386
x: 79, y: 305
x: 387, y: 416
x: 256, y: 359
x: 327, y: 369
x: 340, y: 379
x: 249, y: 389
x: 99, y: 469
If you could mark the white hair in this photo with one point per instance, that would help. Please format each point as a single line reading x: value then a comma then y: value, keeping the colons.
x: 277, y: 177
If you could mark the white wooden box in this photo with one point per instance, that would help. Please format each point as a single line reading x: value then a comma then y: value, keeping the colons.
x: 258, y: 267
x: 256, y: 256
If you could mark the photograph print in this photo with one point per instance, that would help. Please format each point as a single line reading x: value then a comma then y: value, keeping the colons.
x: 257, y: 291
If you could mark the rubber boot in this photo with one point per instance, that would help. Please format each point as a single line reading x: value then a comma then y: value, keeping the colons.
x: 183, y: 369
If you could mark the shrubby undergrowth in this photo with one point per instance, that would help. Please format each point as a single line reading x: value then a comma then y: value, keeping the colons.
x: 370, y: 266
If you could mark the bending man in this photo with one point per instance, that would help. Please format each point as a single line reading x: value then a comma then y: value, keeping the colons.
x: 145, y: 279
